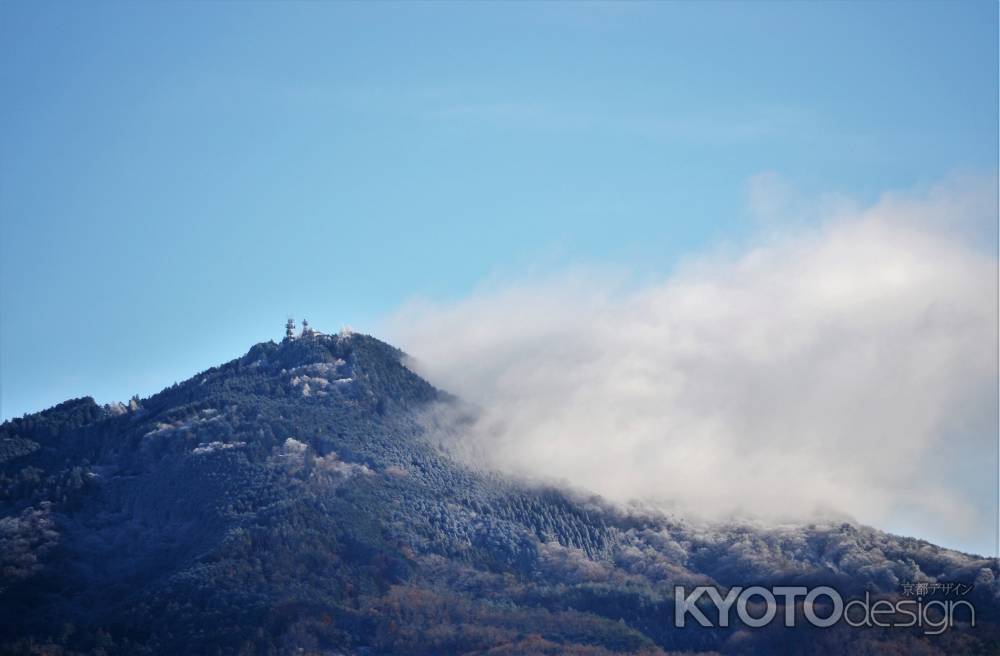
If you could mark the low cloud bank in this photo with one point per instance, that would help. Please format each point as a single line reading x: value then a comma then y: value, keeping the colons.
x: 840, y: 365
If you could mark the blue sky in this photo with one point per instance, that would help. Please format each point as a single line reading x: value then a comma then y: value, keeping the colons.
x: 175, y: 178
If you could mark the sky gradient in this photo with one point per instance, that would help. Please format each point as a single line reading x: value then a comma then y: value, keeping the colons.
x: 177, y: 178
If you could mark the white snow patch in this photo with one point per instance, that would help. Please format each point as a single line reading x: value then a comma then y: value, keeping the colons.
x: 212, y: 447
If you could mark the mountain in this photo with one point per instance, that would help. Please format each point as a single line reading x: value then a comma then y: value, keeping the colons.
x: 295, y: 500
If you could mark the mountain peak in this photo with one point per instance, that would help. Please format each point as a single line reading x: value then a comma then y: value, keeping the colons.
x: 291, y: 501
x: 348, y: 367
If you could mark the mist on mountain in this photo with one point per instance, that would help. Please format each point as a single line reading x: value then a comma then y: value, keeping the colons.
x: 296, y: 500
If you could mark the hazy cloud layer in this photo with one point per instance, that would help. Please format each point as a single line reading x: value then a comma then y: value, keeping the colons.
x: 848, y: 366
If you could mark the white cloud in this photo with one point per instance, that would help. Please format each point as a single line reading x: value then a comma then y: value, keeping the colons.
x: 850, y: 366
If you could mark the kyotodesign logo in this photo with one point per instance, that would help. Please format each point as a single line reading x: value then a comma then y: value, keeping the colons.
x: 821, y: 607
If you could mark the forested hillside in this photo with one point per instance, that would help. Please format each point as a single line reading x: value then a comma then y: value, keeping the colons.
x: 294, y: 501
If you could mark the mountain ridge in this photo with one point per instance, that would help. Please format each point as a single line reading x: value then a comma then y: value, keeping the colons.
x: 292, y: 499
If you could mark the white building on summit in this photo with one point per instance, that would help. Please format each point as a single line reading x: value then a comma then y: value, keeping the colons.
x: 307, y: 330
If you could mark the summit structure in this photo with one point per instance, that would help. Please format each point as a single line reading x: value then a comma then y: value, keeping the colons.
x: 307, y: 330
